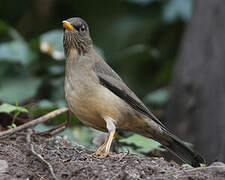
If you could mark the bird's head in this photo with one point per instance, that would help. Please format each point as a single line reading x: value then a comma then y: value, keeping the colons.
x: 76, y: 36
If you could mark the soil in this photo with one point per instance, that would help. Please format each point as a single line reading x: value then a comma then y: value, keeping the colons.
x: 69, y: 160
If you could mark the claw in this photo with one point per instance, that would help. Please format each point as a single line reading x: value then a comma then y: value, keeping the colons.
x: 100, y: 149
x: 107, y: 144
x: 95, y: 154
x: 104, y: 155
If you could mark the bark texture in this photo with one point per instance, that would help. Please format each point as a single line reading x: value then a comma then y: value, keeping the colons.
x: 197, y: 106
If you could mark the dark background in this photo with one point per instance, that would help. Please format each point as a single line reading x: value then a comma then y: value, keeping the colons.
x: 170, y: 53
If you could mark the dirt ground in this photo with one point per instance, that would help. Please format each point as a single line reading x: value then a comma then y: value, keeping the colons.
x: 56, y: 158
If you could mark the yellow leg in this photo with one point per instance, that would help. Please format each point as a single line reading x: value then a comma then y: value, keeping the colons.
x: 112, y: 135
x: 110, y: 125
x: 101, y: 148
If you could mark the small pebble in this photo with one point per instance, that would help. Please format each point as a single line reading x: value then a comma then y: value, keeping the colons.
x: 3, y: 166
x: 219, y: 167
x: 217, y: 164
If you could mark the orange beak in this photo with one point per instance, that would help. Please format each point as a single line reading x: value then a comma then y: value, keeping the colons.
x: 67, y: 25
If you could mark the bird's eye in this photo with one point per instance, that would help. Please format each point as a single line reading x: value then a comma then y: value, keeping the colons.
x: 82, y: 28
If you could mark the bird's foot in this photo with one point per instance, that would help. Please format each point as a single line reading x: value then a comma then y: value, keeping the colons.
x: 106, y: 146
x: 95, y: 154
x: 99, y: 151
x: 100, y: 154
x: 104, y: 155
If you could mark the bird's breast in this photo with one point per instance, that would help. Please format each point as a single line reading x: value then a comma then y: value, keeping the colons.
x: 81, y: 97
x: 92, y: 102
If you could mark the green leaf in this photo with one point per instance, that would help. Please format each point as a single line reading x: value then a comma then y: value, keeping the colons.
x: 203, y: 165
x: 177, y: 8
x: 187, y: 165
x: 146, y: 143
x: 44, y: 104
x: 18, y: 89
x: 15, y: 34
x: 158, y: 97
x: 8, y: 108
x: 67, y: 132
x: 16, y: 51
x: 11, y: 126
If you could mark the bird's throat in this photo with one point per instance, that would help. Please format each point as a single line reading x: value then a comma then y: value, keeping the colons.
x: 73, y: 54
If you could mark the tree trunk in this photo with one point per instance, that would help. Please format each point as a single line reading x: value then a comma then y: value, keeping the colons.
x: 196, y: 109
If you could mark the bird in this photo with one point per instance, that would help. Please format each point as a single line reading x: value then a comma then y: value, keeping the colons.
x: 99, y: 98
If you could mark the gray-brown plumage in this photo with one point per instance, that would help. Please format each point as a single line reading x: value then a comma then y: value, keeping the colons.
x: 100, y: 99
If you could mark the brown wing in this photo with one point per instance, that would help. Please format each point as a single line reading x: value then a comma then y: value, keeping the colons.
x: 111, y: 80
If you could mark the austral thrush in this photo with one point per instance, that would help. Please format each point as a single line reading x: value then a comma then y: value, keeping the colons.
x: 99, y: 98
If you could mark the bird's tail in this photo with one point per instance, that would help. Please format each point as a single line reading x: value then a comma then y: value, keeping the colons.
x: 173, y: 144
x: 181, y: 150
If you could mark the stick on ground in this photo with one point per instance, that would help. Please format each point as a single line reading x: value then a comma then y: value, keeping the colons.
x: 36, y: 122
x: 31, y: 148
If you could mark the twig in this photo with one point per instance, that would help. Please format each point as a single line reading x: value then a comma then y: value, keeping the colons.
x: 124, y: 155
x: 35, y: 121
x: 57, y: 129
x: 28, y: 139
x: 132, y: 145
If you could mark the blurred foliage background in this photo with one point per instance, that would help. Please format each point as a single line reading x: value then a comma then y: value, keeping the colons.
x: 139, y: 38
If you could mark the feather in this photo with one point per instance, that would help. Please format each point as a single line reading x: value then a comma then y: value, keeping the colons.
x: 111, y: 80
